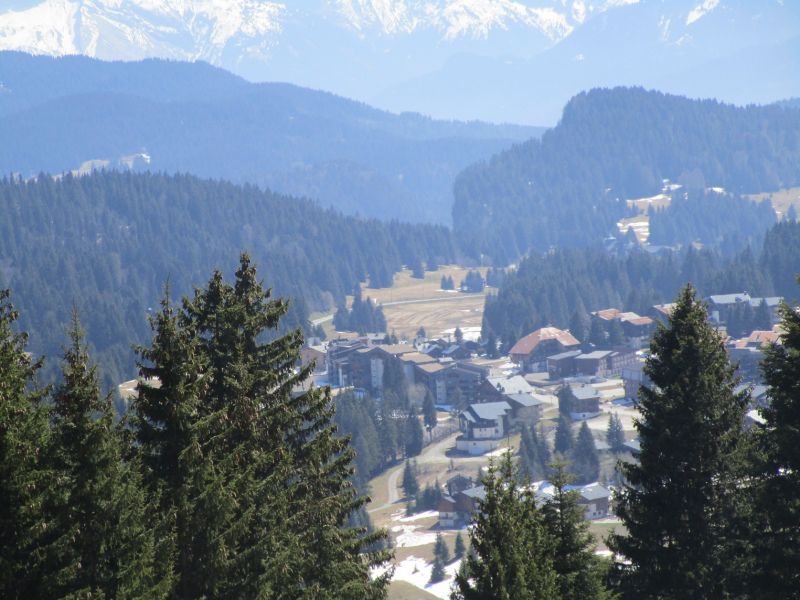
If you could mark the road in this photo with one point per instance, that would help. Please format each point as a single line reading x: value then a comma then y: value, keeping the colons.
x: 326, y: 318
x: 433, y: 454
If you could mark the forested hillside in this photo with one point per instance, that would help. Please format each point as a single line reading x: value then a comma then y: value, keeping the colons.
x: 570, y: 187
x: 557, y: 287
x: 191, y: 117
x: 107, y: 243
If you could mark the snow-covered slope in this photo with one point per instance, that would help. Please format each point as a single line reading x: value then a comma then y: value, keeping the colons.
x: 133, y: 29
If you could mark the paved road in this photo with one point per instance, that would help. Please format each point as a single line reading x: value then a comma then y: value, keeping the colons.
x: 447, y: 298
x: 433, y: 454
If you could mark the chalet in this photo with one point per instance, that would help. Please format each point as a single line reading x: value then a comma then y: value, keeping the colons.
x: 595, y: 499
x: 526, y: 409
x: 662, y: 312
x: 456, y: 510
x: 637, y: 329
x: 604, y: 363
x: 339, y: 361
x: 562, y: 365
x: 368, y: 364
x: 494, y: 389
x: 435, y: 376
x: 531, y: 351
x: 314, y: 355
x: 458, y: 483
x: 483, y: 426
x: 633, y: 377
x: 720, y: 305
x: 584, y: 401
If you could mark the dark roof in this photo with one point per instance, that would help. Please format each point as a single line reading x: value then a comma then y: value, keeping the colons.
x: 563, y: 355
x: 525, y: 400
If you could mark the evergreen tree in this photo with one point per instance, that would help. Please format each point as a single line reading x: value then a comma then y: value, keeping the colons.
x: 24, y: 479
x: 415, y: 438
x: 616, y: 337
x: 564, y: 439
x: 510, y: 549
x: 762, y: 320
x: 410, y: 484
x: 457, y: 400
x: 531, y: 464
x: 440, y: 550
x: 429, y: 411
x: 94, y: 527
x: 266, y: 480
x: 579, y: 572
x: 459, y: 549
x: 597, y: 333
x: 585, y: 463
x: 579, y: 325
x: 615, y: 434
x: 459, y: 335
x: 564, y: 400
x: 388, y: 436
x: 778, y: 540
x: 681, y: 503
x: 437, y: 572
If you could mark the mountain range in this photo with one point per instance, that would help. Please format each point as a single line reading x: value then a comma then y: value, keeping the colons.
x: 61, y: 113
x: 496, y: 60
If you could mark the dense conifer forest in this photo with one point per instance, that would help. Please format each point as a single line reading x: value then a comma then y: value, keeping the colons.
x: 559, y: 287
x: 106, y: 243
x: 570, y: 187
x: 213, y: 486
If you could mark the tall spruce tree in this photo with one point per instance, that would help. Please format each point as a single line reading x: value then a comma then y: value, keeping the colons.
x: 615, y: 434
x: 585, y: 462
x: 97, y: 521
x: 680, y: 504
x: 511, y: 553
x: 564, y: 439
x: 580, y: 574
x: 264, y: 466
x: 410, y: 484
x: 24, y: 478
x: 778, y: 567
x: 414, y: 436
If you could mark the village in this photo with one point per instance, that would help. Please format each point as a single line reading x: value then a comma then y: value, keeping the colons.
x: 483, y: 404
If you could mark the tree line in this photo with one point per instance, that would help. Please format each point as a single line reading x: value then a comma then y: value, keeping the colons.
x: 107, y: 242
x: 709, y: 509
x: 562, y: 287
x: 220, y: 481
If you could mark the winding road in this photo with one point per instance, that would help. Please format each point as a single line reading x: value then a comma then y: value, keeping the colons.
x: 433, y: 454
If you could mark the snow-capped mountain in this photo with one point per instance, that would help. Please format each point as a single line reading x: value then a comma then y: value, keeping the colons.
x: 500, y: 60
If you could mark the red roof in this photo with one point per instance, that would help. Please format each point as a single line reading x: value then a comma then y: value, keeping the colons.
x: 529, y: 343
x: 607, y: 314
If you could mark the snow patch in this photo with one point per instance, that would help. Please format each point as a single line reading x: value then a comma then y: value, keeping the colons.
x: 417, y: 572
x: 407, y: 536
x: 700, y: 11
x: 398, y: 516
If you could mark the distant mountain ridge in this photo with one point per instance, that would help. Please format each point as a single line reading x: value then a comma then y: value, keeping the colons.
x: 496, y: 60
x: 192, y: 117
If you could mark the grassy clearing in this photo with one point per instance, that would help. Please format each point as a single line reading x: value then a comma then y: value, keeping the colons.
x: 400, y: 590
x: 442, y: 310
x: 781, y: 199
